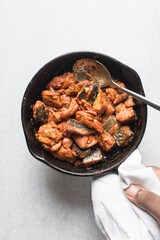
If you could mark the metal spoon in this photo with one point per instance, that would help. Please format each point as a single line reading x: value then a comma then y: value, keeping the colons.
x: 89, y: 68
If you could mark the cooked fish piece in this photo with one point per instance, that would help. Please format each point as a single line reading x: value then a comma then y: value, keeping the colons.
x: 73, y: 89
x: 87, y: 107
x: 62, y: 81
x: 53, y: 116
x: 53, y: 148
x: 40, y: 112
x: 81, y: 153
x: 95, y: 157
x: 125, y: 115
x: 71, y: 110
x: 75, y: 126
x: 89, y: 120
x: 65, y: 100
x: 67, y: 142
x: 129, y: 102
x: 56, y: 146
x: 106, y: 141
x: 121, y: 94
x: 89, y: 91
x: 64, y: 154
x: 63, y: 129
x: 84, y: 141
x: 123, y: 136
x: 110, y: 109
x: 120, y: 97
x: 64, y: 112
x: 48, y: 134
x: 100, y: 103
x: 55, y: 99
x: 94, y: 92
x: 82, y: 93
x: 111, y: 125
x: 111, y: 93
x: 51, y: 98
x: 116, y: 95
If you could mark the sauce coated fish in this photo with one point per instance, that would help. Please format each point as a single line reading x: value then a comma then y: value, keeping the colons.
x: 74, y: 126
x: 95, y: 157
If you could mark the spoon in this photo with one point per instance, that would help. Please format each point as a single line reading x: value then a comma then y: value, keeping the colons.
x: 88, y: 68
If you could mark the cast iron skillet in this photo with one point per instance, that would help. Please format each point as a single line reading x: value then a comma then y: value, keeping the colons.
x: 64, y: 64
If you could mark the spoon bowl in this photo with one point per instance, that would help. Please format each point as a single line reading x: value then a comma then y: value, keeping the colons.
x: 84, y: 68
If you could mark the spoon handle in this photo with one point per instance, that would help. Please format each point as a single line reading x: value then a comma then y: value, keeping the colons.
x: 139, y: 97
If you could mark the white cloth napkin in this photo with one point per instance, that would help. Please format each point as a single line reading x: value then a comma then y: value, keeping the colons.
x: 115, y: 215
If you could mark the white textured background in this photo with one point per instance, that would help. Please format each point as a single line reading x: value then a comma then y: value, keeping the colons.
x: 37, y: 202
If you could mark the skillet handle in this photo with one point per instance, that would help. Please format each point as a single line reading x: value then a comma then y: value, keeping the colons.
x: 115, y: 170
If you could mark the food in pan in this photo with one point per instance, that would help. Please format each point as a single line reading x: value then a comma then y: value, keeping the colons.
x: 80, y: 121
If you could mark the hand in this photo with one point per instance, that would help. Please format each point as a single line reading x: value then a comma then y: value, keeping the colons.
x: 145, y: 199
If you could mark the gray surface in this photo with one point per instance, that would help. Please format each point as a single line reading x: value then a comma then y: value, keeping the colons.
x: 37, y: 202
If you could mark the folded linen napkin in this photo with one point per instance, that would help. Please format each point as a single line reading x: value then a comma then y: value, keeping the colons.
x: 115, y: 215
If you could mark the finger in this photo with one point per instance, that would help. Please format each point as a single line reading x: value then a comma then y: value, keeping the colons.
x: 144, y: 199
x: 156, y: 170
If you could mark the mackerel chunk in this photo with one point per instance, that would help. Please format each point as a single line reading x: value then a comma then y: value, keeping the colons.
x: 84, y: 141
x: 94, y: 158
x: 125, y: 114
x: 81, y: 153
x: 94, y: 92
x: 123, y: 136
x: 74, y: 126
x: 106, y: 141
x: 89, y: 120
x: 85, y: 92
x: 100, y: 103
x: 40, y: 112
x: 111, y: 125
